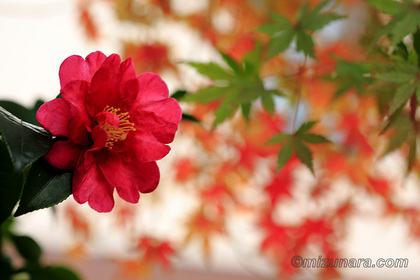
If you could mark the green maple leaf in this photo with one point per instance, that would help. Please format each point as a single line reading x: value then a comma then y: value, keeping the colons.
x: 406, y: 18
x: 237, y: 86
x: 283, y: 31
x: 297, y: 143
x: 406, y: 76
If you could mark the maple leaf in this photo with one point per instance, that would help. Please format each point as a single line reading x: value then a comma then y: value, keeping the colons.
x: 296, y: 143
x: 406, y: 18
x: 380, y: 186
x: 283, y: 31
x: 86, y: 19
x: 407, y: 78
x: 202, y: 227
x: 276, y: 237
x: 149, y: 57
x: 155, y: 251
x: 281, y: 184
x: 185, y: 169
x: 237, y: 86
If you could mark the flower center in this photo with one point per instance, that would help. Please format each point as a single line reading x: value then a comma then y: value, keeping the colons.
x: 117, y: 126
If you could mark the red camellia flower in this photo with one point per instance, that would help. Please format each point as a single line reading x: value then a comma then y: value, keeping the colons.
x: 112, y: 125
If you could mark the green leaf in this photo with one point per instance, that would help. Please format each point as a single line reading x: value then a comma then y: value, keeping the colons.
x: 278, y: 138
x: 352, y: 75
x: 28, y: 115
x: 416, y: 45
x: 190, y: 118
x: 305, y: 43
x: 45, y: 186
x: 225, y: 110
x: 403, y: 94
x: 51, y: 273
x: 315, y: 19
x: 211, y: 70
x: 206, y: 95
x: 280, y: 42
x: 285, y: 154
x: 305, y: 126
x: 312, y: 138
x: 11, y: 184
x: 404, y: 26
x: 231, y: 62
x: 393, y: 118
x: 26, y: 142
x: 27, y: 248
x: 280, y: 23
x: 304, y: 154
x: 179, y: 94
x: 390, y: 7
x: 246, y: 110
x: 268, y: 102
x: 395, y: 77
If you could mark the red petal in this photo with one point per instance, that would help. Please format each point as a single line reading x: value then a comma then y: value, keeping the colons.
x: 168, y: 110
x: 119, y: 176
x: 99, y: 137
x: 146, y: 175
x: 63, y: 154
x: 54, y: 116
x: 76, y: 68
x: 114, y: 84
x: 75, y: 93
x: 164, y: 117
x: 152, y: 88
x: 146, y: 149
x: 89, y: 184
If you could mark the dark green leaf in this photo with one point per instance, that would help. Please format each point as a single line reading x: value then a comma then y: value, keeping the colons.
x: 416, y: 45
x: 304, y: 154
x: 391, y: 120
x: 10, y: 186
x: 45, y: 186
x: 305, y: 43
x: 278, y: 138
x: 26, y: 142
x: 404, y: 26
x: 305, y: 127
x: 179, y: 94
x: 285, y: 154
x: 190, y: 118
x: 401, y: 50
x: 314, y: 138
x: 211, y: 70
x: 27, y: 248
x: 403, y: 94
x: 28, y: 115
x: 51, y: 273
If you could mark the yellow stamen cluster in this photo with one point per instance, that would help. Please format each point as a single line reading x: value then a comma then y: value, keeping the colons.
x: 119, y: 133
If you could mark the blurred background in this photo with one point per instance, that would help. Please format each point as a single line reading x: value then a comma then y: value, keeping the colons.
x: 220, y: 211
